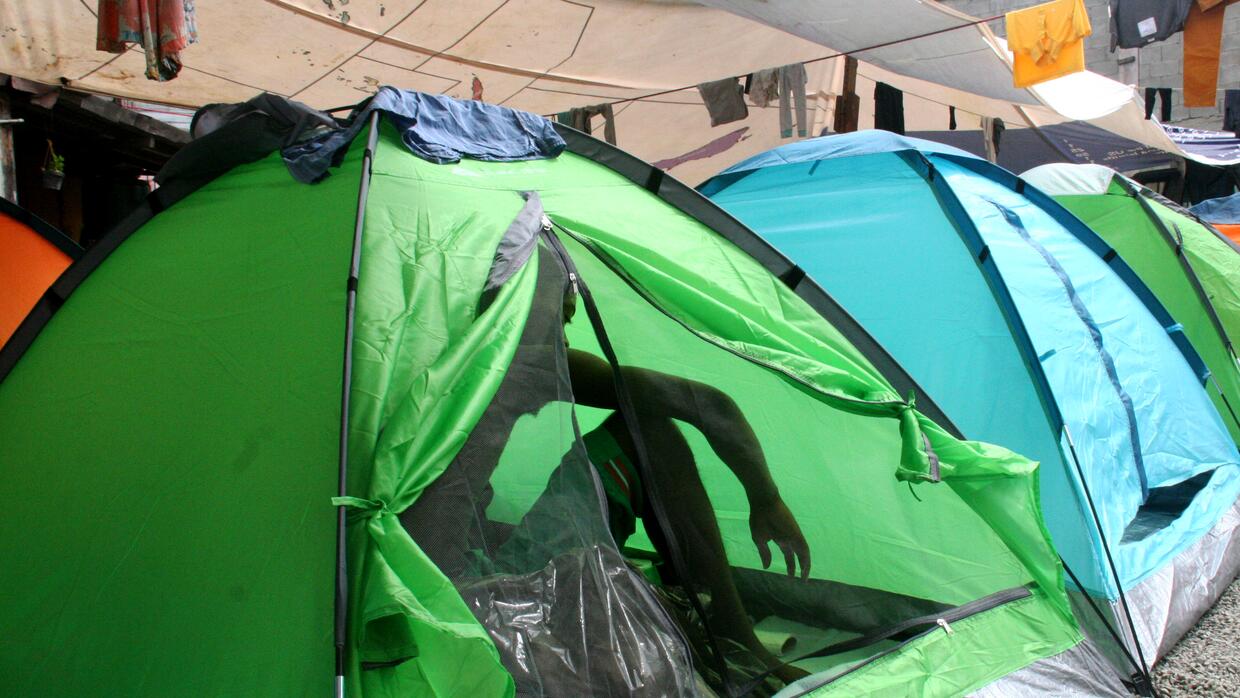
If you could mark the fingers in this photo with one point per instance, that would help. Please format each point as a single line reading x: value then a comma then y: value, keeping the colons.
x: 803, y: 557
x: 764, y: 552
x: 796, y: 553
x: 789, y: 559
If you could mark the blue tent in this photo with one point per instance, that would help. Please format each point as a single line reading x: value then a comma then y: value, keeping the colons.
x: 1029, y: 332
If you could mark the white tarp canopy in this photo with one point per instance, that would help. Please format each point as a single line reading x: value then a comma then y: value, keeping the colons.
x: 966, y: 65
x: 547, y: 56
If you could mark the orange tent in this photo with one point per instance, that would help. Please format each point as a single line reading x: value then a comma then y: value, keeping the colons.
x: 32, y: 255
x: 1231, y: 230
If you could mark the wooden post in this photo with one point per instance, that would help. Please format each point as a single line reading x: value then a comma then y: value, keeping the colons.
x: 8, y: 162
x: 848, y: 104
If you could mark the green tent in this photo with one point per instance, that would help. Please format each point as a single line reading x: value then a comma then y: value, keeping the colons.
x: 187, y: 515
x: 1192, y: 269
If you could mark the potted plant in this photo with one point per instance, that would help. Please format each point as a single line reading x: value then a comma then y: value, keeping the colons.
x: 53, y: 168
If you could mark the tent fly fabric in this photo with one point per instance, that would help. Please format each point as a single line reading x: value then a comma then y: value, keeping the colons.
x: 32, y: 255
x: 1028, y: 330
x: 1192, y: 269
x: 172, y: 530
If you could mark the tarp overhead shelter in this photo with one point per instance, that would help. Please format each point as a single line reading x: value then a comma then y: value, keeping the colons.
x: 969, y: 68
x: 1021, y: 323
x: 208, y: 514
x: 1074, y: 142
x: 547, y: 56
x: 544, y: 56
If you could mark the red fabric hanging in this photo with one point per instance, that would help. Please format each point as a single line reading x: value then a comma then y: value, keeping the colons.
x: 163, y: 28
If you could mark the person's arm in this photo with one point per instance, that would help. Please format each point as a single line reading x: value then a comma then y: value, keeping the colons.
x: 719, y: 419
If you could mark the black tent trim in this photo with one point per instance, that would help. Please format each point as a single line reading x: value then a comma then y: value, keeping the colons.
x: 83, y: 266
x: 49, y: 232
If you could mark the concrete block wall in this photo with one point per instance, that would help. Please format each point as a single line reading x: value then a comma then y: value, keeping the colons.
x: 1160, y: 64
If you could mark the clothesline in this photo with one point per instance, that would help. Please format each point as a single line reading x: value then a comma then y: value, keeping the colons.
x: 840, y: 54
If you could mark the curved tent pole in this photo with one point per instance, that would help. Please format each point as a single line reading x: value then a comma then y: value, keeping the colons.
x: 1106, y: 548
x: 1101, y: 616
x: 340, y: 629
x: 1086, y: 236
x: 1176, y: 241
x: 998, y: 286
x: 980, y: 252
x: 628, y: 414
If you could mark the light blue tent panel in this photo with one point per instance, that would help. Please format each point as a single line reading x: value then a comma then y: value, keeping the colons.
x: 908, y: 256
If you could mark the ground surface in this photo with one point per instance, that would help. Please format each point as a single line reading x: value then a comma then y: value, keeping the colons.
x: 1207, y: 661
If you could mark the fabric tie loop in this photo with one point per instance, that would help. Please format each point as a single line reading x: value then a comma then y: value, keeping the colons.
x: 362, y: 508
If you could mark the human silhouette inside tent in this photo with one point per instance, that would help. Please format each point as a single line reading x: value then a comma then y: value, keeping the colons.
x: 450, y: 524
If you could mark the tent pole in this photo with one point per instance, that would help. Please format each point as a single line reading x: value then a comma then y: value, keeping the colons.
x: 8, y: 166
x: 342, y: 571
x: 1176, y: 241
x: 628, y: 414
x: 1101, y: 616
x: 1148, y: 688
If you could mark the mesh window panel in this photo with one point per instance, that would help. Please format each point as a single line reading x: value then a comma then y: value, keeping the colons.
x: 737, y: 448
x: 518, y: 522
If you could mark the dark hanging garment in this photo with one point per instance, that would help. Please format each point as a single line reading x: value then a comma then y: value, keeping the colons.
x: 888, y: 108
x: 725, y: 101
x: 1164, y: 98
x: 1231, y: 111
x: 581, y: 118
x: 1137, y: 23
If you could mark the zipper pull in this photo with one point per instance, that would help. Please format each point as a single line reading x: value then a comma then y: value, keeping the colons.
x: 546, y: 223
x: 572, y: 280
x: 943, y: 624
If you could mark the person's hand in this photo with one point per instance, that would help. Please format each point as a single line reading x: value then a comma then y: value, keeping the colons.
x: 775, y: 523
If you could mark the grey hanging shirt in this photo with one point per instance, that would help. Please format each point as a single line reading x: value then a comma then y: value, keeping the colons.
x: 1137, y: 23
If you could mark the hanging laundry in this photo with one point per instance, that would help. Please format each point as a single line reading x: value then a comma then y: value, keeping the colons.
x: 724, y: 101
x: 888, y: 108
x: 1203, y: 39
x: 763, y: 87
x: 1047, y: 41
x: 163, y: 28
x: 1164, y: 98
x: 1137, y: 23
x: 792, y: 79
x: 1231, y: 111
x: 581, y: 118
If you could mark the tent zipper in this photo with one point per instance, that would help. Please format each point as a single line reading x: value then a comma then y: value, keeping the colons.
x: 973, y: 608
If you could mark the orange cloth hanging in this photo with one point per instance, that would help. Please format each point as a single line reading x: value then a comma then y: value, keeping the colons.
x: 1047, y: 41
x: 1203, y: 39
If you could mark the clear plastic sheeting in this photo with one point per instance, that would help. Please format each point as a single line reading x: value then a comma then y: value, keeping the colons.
x: 580, y: 627
x: 518, y: 523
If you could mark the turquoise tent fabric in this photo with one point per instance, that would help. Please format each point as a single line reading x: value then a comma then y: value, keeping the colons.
x: 950, y: 264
